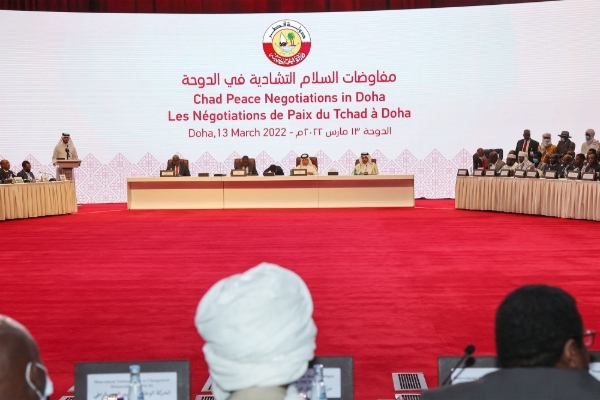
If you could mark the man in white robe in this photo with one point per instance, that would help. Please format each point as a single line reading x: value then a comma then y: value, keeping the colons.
x: 524, y: 163
x: 511, y: 163
x: 306, y: 163
x: 590, y: 142
x: 259, y: 334
x: 365, y: 166
x: 64, y: 150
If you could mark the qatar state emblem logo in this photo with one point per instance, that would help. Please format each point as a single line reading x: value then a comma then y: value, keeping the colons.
x: 286, y: 43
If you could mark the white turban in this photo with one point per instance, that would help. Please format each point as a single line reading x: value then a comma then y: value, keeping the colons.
x: 511, y: 156
x: 258, y: 329
x: 522, y: 154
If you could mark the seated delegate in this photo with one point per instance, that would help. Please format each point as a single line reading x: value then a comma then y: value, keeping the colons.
x: 306, y: 163
x: 274, y: 169
x: 180, y: 168
x: 26, y: 173
x: 5, y: 173
x: 246, y: 165
x: 365, y: 166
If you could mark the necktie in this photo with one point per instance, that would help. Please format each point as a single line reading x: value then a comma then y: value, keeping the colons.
x: 483, y: 164
x: 525, y: 145
x: 176, y: 170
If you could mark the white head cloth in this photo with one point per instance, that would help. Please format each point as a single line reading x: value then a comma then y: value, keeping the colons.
x: 258, y: 329
x: 305, y: 156
x: 511, y: 156
x: 543, y: 145
x: 70, y: 142
x: 368, y: 167
x: 592, y: 133
x: 523, y: 154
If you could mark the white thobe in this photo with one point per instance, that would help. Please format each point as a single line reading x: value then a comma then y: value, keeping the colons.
x: 370, y: 168
x: 310, y: 169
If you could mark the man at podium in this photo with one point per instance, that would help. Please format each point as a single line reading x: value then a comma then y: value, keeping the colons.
x: 64, y: 150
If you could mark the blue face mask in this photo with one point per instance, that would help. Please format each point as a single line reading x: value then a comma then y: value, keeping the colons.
x: 587, y: 137
x: 563, y: 139
x: 535, y: 160
x: 48, y: 387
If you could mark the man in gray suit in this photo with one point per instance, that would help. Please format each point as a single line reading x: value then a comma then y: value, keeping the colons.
x: 542, y: 352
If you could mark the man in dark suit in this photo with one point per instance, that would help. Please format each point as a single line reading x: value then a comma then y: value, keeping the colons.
x: 246, y: 165
x: 542, y: 352
x: 180, y: 168
x: 5, y: 172
x: 566, y: 166
x: 26, y: 173
x: 274, y: 169
x: 527, y: 145
x: 479, y: 159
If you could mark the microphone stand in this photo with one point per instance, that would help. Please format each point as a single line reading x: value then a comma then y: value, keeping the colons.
x: 470, y: 349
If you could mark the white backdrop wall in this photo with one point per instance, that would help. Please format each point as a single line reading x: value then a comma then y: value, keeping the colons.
x: 469, y: 77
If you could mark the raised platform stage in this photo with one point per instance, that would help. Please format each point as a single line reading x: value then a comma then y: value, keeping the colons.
x: 337, y: 191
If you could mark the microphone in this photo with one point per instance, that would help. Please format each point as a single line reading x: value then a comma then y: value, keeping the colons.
x: 470, y: 349
x: 67, y: 150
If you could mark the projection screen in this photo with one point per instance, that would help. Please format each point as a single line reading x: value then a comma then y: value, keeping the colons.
x: 420, y: 90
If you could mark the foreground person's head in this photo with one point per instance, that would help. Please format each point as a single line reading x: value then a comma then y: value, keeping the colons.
x: 258, y: 329
x: 539, y: 326
x: 23, y: 376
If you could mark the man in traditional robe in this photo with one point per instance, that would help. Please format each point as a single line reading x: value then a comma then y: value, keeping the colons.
x: 511, y: 163
x: 306, y: 163
x: 590, y: 142
x: 365, y: 166
x: 64, y: 150
x: 546, y: 147
x: 524, y: 163
x: 259, y: 334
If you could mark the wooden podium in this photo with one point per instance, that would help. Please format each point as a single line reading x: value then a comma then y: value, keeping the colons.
x: 66, y: 167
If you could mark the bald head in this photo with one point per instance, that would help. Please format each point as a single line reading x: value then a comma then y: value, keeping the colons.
x: 17, y: 349
x: 4, y: 164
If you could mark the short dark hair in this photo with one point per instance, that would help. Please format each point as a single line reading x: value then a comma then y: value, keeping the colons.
x: 537, y: 153
x: 581, y: 156
x: 245, y: 158
x: 593, y: 150
x: 533, y: 323
x: 24, y: 163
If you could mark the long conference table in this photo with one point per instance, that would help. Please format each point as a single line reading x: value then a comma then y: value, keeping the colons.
x: 551, y: 197
x: 270, y: 192
x: 30, y: 200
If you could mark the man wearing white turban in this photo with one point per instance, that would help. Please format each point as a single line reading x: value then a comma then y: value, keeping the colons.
x: 64, y: 150
x: 306, y: 163
x: 259, y: 334
x: 524, y: 163
x: 365, y: 166
x: 510, y: 162
x: 590, y: 142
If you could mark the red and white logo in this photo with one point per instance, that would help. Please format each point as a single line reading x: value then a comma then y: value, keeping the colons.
x: 286, y: 43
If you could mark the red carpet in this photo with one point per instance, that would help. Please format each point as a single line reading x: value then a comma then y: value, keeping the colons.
x: 394, y: 288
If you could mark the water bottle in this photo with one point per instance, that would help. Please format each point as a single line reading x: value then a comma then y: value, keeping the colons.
x: 135, y: 384
x: 318, y: 391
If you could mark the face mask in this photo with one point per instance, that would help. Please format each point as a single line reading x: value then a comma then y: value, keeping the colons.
x: 587, y: 137
x: 547, y: 140
x: 535, y: 160
x: 563, y: 139
x: 48, y: 387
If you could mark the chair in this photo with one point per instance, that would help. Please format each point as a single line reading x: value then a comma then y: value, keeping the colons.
x: 170, y: 162
x: 358, y: 160
x: 237, y: 163
x: 312, y: 159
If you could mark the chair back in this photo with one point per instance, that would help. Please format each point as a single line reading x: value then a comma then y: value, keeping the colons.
x: 237, y: 163
x: 182, y: 160
x: 312, y: 159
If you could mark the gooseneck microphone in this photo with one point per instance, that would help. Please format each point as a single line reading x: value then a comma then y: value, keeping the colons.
x: 67, y: 150
x: 470, y: 349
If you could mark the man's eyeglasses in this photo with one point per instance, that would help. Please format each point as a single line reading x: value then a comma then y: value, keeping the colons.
x: 588, y: 337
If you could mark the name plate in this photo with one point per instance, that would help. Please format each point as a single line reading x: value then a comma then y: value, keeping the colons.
x: 18, y: 179
x: 588, y: 176
x: 462, y: 172
x: 505, y: 172
x: 478, y: 172
x: 62, y: 177
x: 550, y: 175
x: 520, y: 173
x: 156, y: 385
x: 299, y: 172
x: 533, y: 174
x: 573, y: 175
x: 167, y: 173
x: 202, y: 174
x: 490, y: 172
x: 238, y: 172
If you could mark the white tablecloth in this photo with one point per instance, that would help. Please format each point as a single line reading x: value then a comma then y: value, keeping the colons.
x: 37, y: 199
x: 553, y: 197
